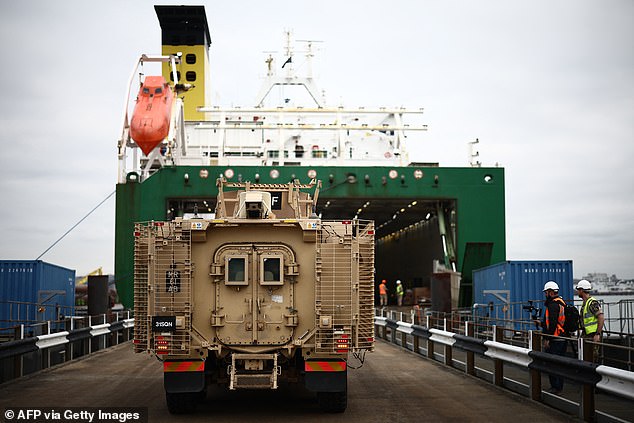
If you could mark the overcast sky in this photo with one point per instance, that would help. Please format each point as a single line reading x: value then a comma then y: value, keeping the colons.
x: 547, y: 87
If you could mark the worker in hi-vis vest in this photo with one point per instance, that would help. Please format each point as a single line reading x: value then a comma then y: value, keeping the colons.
x: 592, y: 318
x: 399, y: 293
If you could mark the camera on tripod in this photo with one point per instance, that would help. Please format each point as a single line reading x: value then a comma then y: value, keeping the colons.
x: 536, y: 312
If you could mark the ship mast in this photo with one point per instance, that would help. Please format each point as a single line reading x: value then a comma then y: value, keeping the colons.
x: 290, y: 78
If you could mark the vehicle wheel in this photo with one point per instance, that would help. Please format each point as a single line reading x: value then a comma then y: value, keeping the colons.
x: 333, y: 402
x: 181, y: 403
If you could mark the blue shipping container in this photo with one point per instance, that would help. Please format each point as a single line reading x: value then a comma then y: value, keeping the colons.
x: 34, y: 291
x: 514, y: 283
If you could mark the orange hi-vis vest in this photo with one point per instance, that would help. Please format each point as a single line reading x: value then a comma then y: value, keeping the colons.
x: 561, y: 319
x: 382, y: 289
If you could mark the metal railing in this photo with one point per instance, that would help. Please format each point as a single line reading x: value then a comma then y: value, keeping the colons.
x: 513, y: 359
x: 28, y: 348
x: 616, y: 348
x: 16, y: 313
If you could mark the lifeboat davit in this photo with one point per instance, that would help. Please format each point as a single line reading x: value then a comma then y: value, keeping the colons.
x: 152, y: 112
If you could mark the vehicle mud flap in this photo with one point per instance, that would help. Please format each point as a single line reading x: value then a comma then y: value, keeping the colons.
x: 326, y: 376
x: 177, y: 381
x: 181, y: 403
x: 333, y: 402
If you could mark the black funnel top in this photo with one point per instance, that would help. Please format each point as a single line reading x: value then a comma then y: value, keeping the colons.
x: 183, y: 25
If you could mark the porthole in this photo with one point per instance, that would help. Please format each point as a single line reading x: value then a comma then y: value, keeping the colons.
x: 190, y: 59
x: 190, y: 76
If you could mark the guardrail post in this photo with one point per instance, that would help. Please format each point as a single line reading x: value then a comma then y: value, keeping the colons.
x: 68, y: 324
x: 18, y: 361
x: 470, y: 367
x: 535, y: 344
x: 72, y: 344
x: 498, y: 365
x: 587, y: 392
x: 404, y: 340
x: 430, y: 343
x: 89, y: 346
x: 448, y: 350
x: 46, y: 356
x: 128, y: 332
x: 415, y: 343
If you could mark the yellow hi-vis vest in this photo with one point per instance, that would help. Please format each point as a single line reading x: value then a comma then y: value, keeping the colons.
x: 590, y: 321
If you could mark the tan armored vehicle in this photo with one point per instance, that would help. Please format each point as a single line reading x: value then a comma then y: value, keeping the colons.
x: 263, y: 294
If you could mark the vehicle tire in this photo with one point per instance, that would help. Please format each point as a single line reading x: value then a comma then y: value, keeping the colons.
x: 181, y: 403
x: 333, y: 402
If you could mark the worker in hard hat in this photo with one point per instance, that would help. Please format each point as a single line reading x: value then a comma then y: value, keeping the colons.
x: 592, y: 318
x: 553, y: 329
x: 399, y: 293
x: 383, y: 293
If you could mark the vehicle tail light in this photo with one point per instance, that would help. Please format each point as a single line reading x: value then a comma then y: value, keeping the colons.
x: 343, y: 344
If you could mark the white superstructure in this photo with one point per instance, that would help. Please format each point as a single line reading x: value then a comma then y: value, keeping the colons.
x: 268, y: 134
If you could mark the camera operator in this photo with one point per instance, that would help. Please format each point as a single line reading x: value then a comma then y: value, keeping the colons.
x: 553, y: 327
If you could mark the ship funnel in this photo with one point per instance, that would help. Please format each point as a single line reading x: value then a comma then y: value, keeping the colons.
x: 254, y: 205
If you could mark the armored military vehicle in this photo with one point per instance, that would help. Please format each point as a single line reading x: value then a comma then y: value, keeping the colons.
x: 265, y: 293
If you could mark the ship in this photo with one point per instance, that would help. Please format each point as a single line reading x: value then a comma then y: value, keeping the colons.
x: 431, y: 221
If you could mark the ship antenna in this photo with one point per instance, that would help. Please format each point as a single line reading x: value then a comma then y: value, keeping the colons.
x: 473, y: 153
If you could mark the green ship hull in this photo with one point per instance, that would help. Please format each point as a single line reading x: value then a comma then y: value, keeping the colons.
x: 423, y: 214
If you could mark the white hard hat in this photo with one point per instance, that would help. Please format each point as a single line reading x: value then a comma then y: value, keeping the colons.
x: 398, y: 281
x: 584, y: 284
x: 551, y: 285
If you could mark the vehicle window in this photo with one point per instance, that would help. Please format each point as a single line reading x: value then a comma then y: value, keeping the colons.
x: 158, y: 90
x: 271, y: 271
x: 236, y: 269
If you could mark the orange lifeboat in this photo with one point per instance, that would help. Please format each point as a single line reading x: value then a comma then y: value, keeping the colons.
x: 151, y: 117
